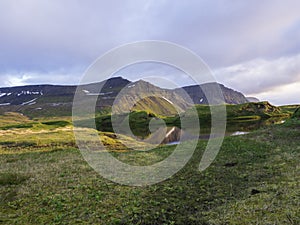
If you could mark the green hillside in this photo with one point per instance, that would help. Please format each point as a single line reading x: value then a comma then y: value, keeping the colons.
x: 155, y: 105
x: 44, y: 180
x: 245, y: 112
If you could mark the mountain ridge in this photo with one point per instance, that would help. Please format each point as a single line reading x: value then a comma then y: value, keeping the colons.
x: 32, y: 98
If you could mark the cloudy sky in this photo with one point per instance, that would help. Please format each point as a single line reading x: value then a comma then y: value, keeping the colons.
x: 251, y: 46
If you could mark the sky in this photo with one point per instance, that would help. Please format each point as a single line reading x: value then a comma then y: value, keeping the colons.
x: 250, y: 46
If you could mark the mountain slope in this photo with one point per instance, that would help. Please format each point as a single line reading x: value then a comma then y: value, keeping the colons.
x: 142, y: 95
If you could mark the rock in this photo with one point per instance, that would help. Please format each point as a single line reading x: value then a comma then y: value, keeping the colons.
x: 255, y: 191
x: 230, y: 164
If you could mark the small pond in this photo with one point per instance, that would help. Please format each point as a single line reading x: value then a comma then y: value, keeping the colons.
x: 232, y: 129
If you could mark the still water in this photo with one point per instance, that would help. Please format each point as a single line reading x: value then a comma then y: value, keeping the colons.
x: 232, y: 129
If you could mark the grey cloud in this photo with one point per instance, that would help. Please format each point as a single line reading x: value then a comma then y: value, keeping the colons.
x: 225, y: 34
x: 258, y: 76
x: 45, y: 37
x: 72, y: 32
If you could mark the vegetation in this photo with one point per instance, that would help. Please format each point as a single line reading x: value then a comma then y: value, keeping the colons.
x: 155, y: 105
x: 289, y: 108
x: 296, y: 114
x: 45, y: 180
x: 11, y: 118
x: 58, y: 123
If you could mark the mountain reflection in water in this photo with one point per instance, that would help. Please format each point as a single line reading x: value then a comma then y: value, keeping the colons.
x: 174, y: 135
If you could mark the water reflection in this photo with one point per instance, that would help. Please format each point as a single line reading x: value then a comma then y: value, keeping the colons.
x: 175, y: 134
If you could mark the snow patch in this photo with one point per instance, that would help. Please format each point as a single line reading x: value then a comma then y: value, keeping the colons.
x: 2, y: 94
x: 92, y: 94
x: 31, y: 101
x: 107, y: 98
x: 29, y: 93
x: 100, y: 94
x: 3, y: 104
x: 108, y: 93
x: 168, y: 100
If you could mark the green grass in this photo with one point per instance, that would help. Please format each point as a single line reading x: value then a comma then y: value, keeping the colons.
x: 16, y: 126
x: 254, y: 180
x: 44, y: 179
x: 138, y: 121
x: 9, y: 178
x: 246, y: 118
x: 12, y: 118
x: 262, y: 109
x: 289, y: 108
x: 58, y: 123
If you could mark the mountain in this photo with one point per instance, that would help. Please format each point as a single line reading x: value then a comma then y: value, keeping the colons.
x: 44, y: 100
x: 55, y: 93
x: 197, y: 95
x: 34, y: 100
x: 146, y: 96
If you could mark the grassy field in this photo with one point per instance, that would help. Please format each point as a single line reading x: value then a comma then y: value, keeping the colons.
x: 45, y: 180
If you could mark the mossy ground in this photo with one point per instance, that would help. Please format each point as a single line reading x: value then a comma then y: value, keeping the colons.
x: 45, y: 180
